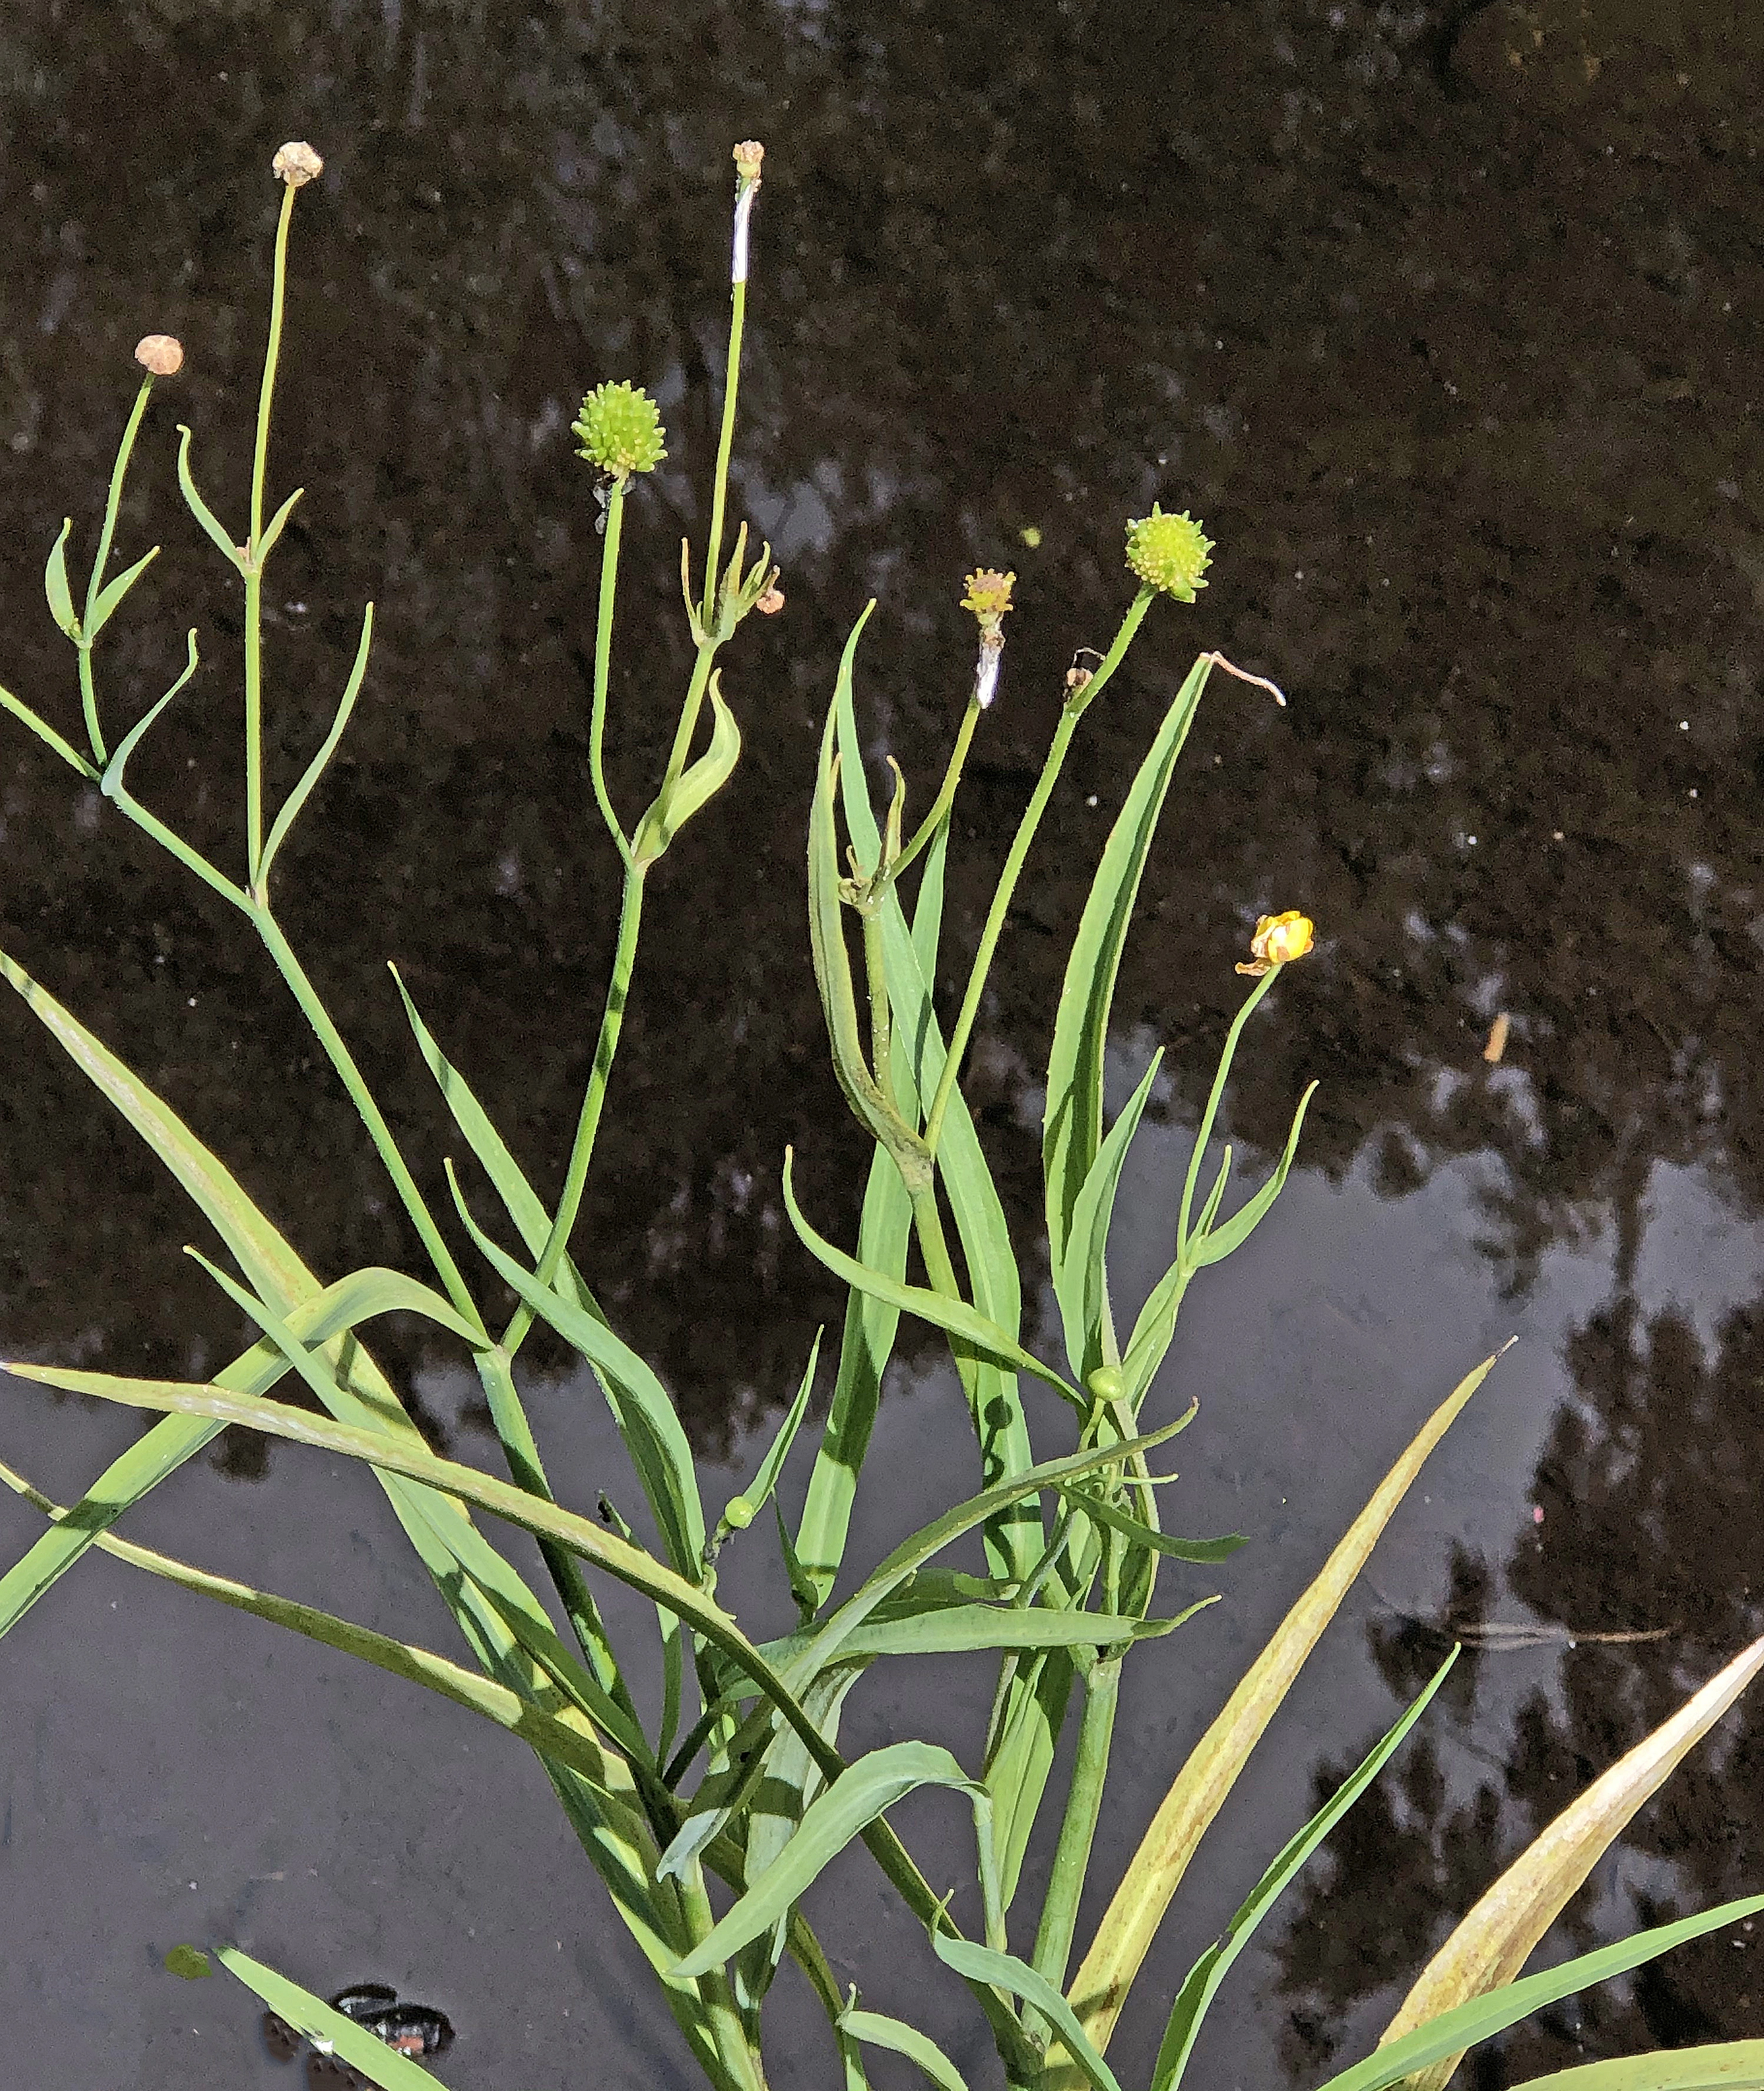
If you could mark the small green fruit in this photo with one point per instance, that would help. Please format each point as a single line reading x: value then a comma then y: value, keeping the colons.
x: 620, y: 429
x: 1169, y: 553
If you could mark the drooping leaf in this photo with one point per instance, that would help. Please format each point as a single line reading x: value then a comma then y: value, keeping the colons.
x: 1145, y: 1535
x: 899, y: 2038
x: 1496, y: 1939
x: 981, y: 1964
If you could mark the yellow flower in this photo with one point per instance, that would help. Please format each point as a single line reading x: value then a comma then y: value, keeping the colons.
x: 989, y: 596
x: 1279, y: 940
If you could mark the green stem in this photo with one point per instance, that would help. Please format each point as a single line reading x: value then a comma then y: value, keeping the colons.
x: 271, y: 357
x: 1078, y: 1830
x: 381, y: 1133
x: 88, y: 705
x: 253, y: 568
x: 688, y: 720
x: 89, y: 698
x: 738, y: 2058
x: 593, y: 1099
x: 1211, y: 1113
x: 191, y: 860
x: 603, y: 648
x: 880, y: 1021
x: 1071, y: 712
x: 725, y: 443
x: 946, y: 797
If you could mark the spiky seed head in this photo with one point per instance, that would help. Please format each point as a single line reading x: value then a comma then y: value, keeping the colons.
x: 160, y: 354
x: 620, y: 429
x: 1169, y: 552
x: 296, y: 164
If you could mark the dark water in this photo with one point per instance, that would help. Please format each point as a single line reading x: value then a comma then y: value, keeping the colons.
x: 1448, y: 325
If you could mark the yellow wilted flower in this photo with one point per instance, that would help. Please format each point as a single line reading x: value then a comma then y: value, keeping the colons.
x: 1279, y: 940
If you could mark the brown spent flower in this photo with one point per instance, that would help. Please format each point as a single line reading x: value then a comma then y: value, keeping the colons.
x: 160, y: 354
x: 296, y: 164
x: 1279, y: 940
x: 748, y: 156
x: 769, y: 604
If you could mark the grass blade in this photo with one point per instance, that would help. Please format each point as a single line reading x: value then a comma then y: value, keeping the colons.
x: 1209, y: 1971
x: 1496, y: 1939
x: 1734, y: 2065
x: 1483, y: 2016
x: 1072, y: 1121
x: 1100, y: 1988
x: 328, y: 2030
x: 919, y: 2048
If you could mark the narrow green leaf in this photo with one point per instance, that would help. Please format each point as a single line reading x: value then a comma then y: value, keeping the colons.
x: 955, y: 1315
x: 198, y: 506
x: 694, y: 789
x: 1101, y: 1985
x: 1080, y: 1283
x: 520, y: 1201
x: 1146, y: 1535
x: 981, y: 1963
x: 113, y: 593
x: 302, y: 791
x: 639, y: 1402
x: 1484, y: 2016
x: 1212, y: 1243
x: 918, y: 2048
x: 330, y: 2032
x: 861, y: 1793
x: 48, y: 735
x: 1734, y: 2065
x: 1209, y: 1971
x: 961, y: 1629
x: 742, y: 1509
x: 1072, y: 1123
x: 61, y: 601
x: 111, y: 783
x: 266, y: 544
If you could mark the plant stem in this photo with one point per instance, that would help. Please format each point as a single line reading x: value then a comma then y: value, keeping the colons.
x: 946, y: 797
x: 725, y: 442
x: 252, y: 569
x: 1077, y: 1830
x: 881, y: 1021
x: 1071, y: 712
x: 593, y: 1099
x: 1211, y: 1113
x: 379, y: 1131
x: 738, y: 2057
x: 603, y: 647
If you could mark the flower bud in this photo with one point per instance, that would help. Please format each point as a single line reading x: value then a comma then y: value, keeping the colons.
x: 1279, y: 940
x: 159, y: 355
x: 296, y: 164
x: 620, y: 430
x: 1169, y: 553
x: 748, y: 155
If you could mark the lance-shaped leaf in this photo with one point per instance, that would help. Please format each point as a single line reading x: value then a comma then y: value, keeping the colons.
x: 198, y: 507
x: 302, y: 791
x: 861, y: 1793
x: 1072, y: 1123
x: 741, y: 1509
x: 110, y: 784
x: 694, y: 788
x: 955, y: 1315
x: 1211, y: 1244
x: 963, y: 1629
x: 278, y: 522
x: 1100, y: 1987
x: 55, y: 587
x: 112, y: 594
x: 1141, y: 1534
x: 1733, y: 2065
x: 919, y: 2049
x: 1205, y: 1977
x: 1081, y: 1282
x: 1484, y: 2016
x: 639, y: 1402
x: 329, y: 2031
x: 981, y: 1964
x: 1496, y: 1939
x: 48, y: 735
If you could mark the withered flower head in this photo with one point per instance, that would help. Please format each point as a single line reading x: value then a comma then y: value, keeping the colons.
x: 1279, y: 940
x: 160, y: 354
x: 296, y: 164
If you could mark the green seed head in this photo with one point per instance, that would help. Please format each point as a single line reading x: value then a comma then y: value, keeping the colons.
x: 620, y: 430
x: 1169, y: 552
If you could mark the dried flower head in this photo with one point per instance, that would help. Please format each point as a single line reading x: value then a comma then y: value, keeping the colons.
x: 769, y: 604
x: 748, y: 155
x: 296, y: 164
x: 1169, y: 552
x: 620, y: 429
x: 159, y: 355
x: 1279, y: 940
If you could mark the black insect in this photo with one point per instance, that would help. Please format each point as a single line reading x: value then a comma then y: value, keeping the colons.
x: 416, y: 2030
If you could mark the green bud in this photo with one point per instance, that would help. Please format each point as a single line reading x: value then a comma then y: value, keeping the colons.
x: 1106, y: 1382
x: 1169, y: 553
x: 620, y: 430
x: 739, y: 1513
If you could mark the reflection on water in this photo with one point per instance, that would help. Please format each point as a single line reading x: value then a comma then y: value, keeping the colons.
x: 1444, y: 319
